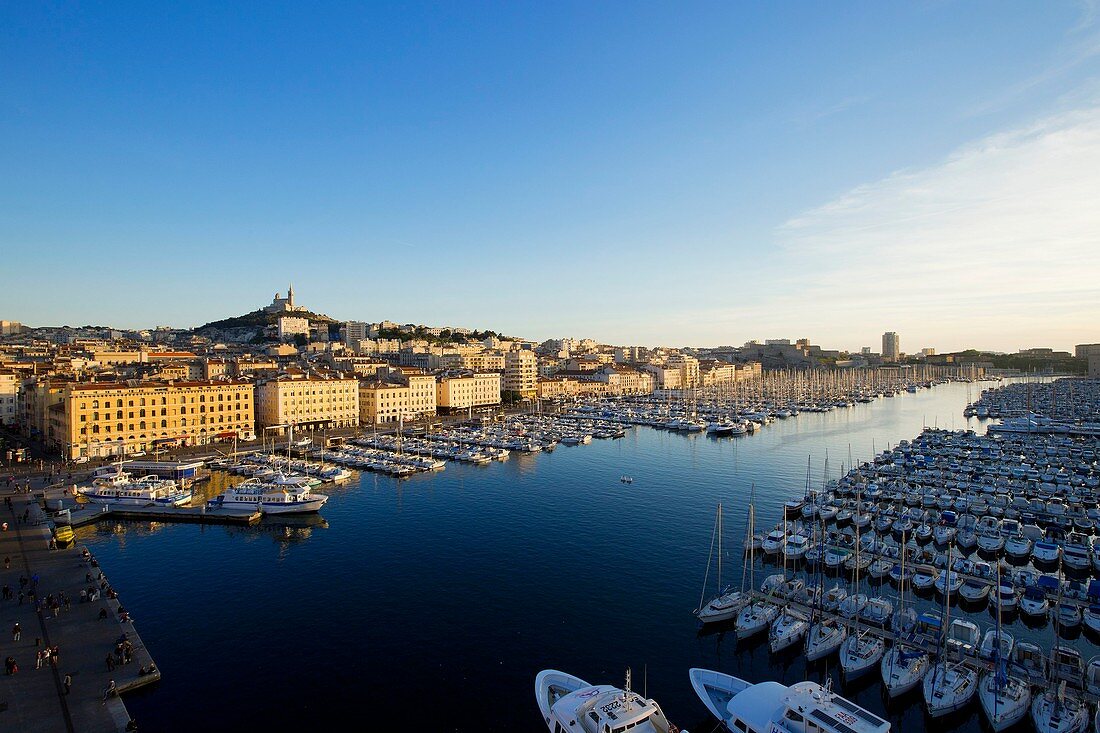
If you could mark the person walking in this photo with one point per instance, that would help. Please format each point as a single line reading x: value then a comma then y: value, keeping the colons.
x: 109, y: 691
x: 110, y: 662
x: 68, y: 683
x: 16, y: 632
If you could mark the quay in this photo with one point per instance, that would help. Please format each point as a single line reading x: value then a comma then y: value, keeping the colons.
x: 91, y: 513
x: 34, y: 700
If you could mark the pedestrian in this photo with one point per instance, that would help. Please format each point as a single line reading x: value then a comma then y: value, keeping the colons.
x: 110, y: 662
x: 16, y: 632
x: 21, y: 596
x: 109, y: 691
x: 68, y: 683
x: 10, y: 667
x: 55, y: 655
x: 38, y: 659
x: 102, y: 612
x: 7, y: 562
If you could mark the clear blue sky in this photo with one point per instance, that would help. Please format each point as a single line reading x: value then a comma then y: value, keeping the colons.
x: 635, y: 172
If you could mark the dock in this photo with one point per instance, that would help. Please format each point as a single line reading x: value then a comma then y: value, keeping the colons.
x: 91, y: 513
x: 85, y: 633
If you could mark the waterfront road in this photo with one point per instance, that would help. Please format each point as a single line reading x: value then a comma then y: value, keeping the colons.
x: 35, y: 700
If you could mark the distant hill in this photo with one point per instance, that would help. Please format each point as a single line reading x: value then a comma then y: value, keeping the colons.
x: 258, y: 319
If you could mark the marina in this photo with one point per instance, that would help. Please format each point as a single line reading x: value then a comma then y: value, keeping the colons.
x: 697, y: 472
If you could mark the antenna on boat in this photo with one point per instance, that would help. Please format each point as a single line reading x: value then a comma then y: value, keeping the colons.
x: 626, y: 689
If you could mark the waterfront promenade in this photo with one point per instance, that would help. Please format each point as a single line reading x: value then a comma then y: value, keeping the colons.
x: 35, y: 700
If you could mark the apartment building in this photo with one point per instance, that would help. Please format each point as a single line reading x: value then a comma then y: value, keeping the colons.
x: 308, y: 401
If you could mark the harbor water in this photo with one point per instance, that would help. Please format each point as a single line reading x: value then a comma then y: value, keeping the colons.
x: 430, y: 603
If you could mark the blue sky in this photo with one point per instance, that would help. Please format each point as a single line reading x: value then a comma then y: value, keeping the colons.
x: 638, y: 173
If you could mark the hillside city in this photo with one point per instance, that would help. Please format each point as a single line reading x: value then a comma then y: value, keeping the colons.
x: 94, y: 392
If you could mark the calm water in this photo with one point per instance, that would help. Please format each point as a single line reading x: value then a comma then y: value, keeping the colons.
x: 431, y: 603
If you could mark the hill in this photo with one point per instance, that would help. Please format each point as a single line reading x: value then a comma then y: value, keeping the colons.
x: 258, y: 319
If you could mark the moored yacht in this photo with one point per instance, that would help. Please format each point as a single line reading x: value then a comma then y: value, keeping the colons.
x: 770, y: 707
x: 269, y: 498
x: 568, y: 703
x: 140, y: 492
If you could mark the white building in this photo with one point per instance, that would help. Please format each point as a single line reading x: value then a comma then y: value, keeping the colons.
x: 9, y: 398
x: 521, y: 373
x: 290, y: 326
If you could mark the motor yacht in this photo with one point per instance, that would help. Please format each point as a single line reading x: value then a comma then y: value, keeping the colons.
x: 568, y: 703
x: 771, y: 707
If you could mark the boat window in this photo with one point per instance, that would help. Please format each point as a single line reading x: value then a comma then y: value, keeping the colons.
x: 740, y: 726
x: 792, y: 715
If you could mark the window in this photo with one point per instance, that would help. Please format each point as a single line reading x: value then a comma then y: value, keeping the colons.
x: 95, y: 404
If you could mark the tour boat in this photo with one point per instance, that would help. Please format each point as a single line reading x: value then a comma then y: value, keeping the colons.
x: 141, y: 492
x: 568, y: 703
x: 771, y: 707
x: 269, y: 498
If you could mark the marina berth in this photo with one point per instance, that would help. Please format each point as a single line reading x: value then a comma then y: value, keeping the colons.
x: 770, y: 707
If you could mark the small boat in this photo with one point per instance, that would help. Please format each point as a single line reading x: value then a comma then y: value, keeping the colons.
x: 949, y: 687
x: 1059, y: 711
x: 63, y: 535
x: 770, y: 706
x: 1004, y: 698
x: 859, y: 654
x: 903, y: 669
x: 825, y: 637
x: 568, y: 703
x: 755, y: 617
x: 626, y: 479
x: 787, y: 630
x: 1034, y: 603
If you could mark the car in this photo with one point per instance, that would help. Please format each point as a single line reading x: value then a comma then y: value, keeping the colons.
x: 138, y: 453
x: 80, y: 459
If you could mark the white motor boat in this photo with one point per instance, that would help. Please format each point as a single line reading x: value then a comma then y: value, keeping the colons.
x: 988, y: 649
x: 963, y: 635
x: 925, y: 577
x: 949, y: 581
x: 269, y: 498
x: 825, y: 637
x: 859, y: 654
x: 903, y: 669
x: 568, y: 703
x: 833, y: 597
x: 120, y: 489
x: 787, y: 630
x: 1059, y: 711
x: 1005, y: 699
x: 1046, y: 553
x: 974, y: 591
x: 1018, y: 546
x: 1092, y: 618
x: 796, y: 547
x: 1034, y: 603
x: 949, y: 687
x: 771, y: 707
x: 1008, y: 597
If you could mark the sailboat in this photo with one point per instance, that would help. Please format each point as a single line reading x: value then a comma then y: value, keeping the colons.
x: 1004, y: 698
x: 903, y: 667
x: 827, y: 634
x: 728, y: 603
x: 950, y: 686
x: 1059, y: 710
x: 754, y: 617
x: 861, y: 650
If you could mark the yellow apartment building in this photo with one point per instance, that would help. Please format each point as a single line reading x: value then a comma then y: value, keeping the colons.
x: 307, y: 401
x: 114, y: 418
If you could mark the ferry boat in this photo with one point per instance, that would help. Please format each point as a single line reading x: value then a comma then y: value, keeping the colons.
x: 568, y: 703
x: 269, y: 498
x: 770, y: 707
x: 141, y: 492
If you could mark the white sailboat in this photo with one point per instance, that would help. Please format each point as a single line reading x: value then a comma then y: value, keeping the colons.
x: 1004, y: 698
x: 949, y: 686
x: 903, y: 667
x: 728, y: 603
x: 861, y: 651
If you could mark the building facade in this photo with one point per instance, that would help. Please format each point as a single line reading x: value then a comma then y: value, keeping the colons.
x: 9, y: 397
x: 464, y: 392
x: 891, y: 346
x: 308, y: 402
x: 105, y: 419
x: 521, y: 373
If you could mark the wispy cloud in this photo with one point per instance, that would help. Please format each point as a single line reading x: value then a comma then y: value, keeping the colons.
x: 997, y: 245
